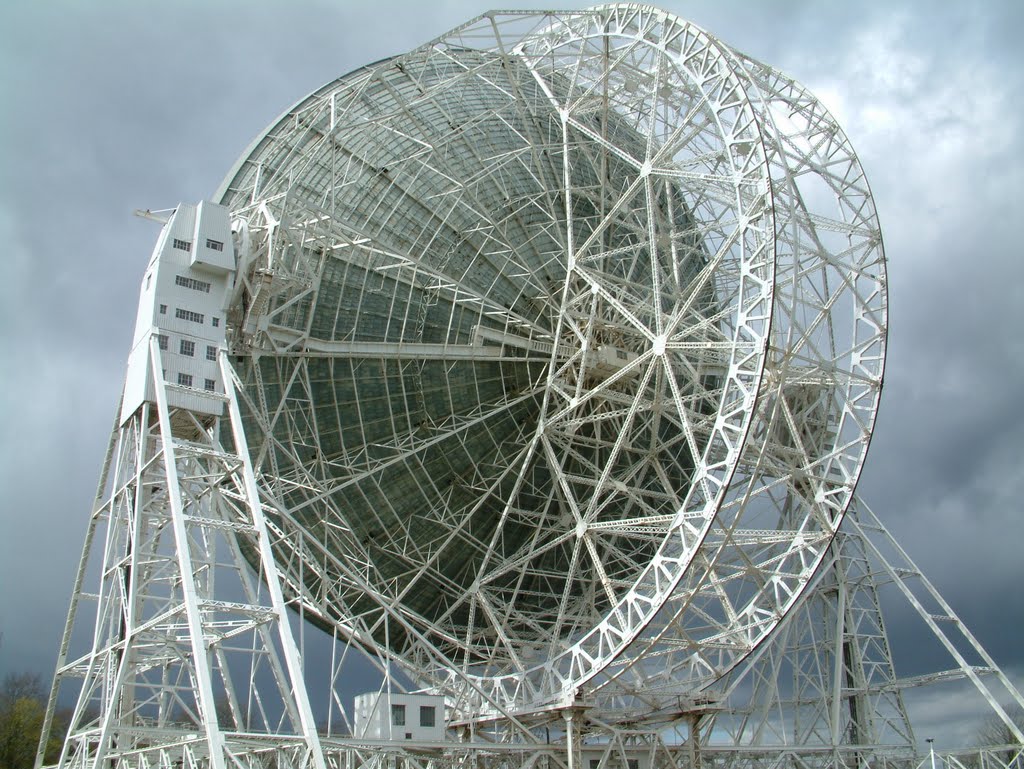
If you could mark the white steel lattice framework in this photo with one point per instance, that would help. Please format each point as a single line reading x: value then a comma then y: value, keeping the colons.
x: 550, y: 357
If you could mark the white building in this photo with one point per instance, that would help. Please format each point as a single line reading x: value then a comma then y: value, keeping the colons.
x: 394, y: 716
x: 183, y: 303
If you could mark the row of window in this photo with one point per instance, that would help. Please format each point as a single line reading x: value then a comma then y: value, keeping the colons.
x: 186, y: 245
x: 427, y: 715
x: 185, y: 380
x: 195, y: 317
x: 187, y: 347
x: 189, y: 315
x: 187, y: 282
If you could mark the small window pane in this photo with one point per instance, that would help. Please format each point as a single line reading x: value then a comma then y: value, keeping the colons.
x: 398, y: 715
x: 426, y: 715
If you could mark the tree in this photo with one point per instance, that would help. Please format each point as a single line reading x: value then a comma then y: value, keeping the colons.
x: 22, y: 708
x: 995, y: 733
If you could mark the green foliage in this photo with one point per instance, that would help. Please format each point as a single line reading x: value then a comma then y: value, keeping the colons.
x: 22, y: 708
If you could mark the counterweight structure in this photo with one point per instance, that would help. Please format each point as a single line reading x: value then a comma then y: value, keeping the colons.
x: 538, y: 364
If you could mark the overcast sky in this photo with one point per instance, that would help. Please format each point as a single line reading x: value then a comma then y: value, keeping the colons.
x: 109, y: 107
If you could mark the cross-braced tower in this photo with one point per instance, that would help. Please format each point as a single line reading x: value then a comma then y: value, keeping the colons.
x: 191, y: 638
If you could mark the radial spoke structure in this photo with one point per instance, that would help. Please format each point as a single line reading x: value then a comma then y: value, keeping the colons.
x: 571, y: 328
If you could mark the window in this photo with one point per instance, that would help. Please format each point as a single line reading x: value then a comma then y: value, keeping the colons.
x: 184, y: 245
x: 215, y: 322
x: 216, y: 245
x: 594, y: 763
x: 187, y: 347
x: 163, y: 309
x: 195, y: 317
x: 185, y: 380
x: 426, y: 715
x: 620, y: 354
x: 187, y: 282
x: 161, y: 340
x: 210, y: 384
x: 211, y: 352
x: 398, y: 715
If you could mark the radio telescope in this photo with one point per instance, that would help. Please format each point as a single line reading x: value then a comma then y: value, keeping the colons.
x: 540, y: 362
x: 555, y: 323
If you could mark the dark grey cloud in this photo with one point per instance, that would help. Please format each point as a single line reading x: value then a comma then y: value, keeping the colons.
x: 115, y: 106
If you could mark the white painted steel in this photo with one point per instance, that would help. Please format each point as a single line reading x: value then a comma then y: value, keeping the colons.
x: 184, y: 640
x: 679, y: 245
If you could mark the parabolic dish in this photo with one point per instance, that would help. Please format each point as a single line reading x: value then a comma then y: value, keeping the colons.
x: 561, y: 339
